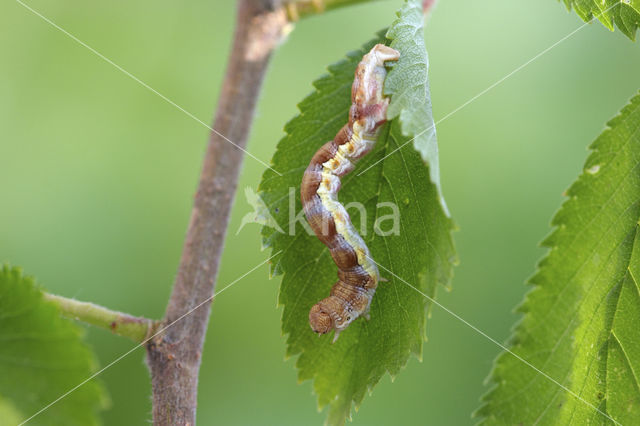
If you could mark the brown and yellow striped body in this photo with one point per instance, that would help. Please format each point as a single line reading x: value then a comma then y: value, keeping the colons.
x: 358, y: 275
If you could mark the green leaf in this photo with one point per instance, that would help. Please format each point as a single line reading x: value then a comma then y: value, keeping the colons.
x: 582, y: 319
x: 42, y: 357
x: 625, y: 14
x: 422, y: 253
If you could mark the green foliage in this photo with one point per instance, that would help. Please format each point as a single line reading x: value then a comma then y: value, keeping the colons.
x: 581, y: 322
x: 422, y: 253
x: 408, y: 86
x: 9, y: 414
x: 42, y: 357
x: 625, y: 14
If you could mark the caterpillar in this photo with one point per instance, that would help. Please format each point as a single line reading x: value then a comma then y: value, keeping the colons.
x: 358, y: 275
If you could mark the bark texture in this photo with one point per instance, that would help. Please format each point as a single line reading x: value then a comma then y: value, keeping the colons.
x: 174, y: 355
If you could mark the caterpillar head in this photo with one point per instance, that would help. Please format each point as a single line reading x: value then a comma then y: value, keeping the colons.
x: 320, y: 320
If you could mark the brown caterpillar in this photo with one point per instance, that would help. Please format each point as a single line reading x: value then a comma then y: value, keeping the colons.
x: 358, y: 275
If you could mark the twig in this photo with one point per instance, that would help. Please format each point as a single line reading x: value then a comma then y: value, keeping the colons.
x: 174, y: 356
x: 135, y: 328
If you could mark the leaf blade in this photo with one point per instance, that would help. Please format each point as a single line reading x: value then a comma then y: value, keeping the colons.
x: 422, y: 253
x: 624, y: 14
x: 42, y: 357
x: 573, y: 311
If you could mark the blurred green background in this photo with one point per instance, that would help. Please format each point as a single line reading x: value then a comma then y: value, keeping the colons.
x: 97, y: 176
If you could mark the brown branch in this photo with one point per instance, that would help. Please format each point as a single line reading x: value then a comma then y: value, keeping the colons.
x: 174, y: 356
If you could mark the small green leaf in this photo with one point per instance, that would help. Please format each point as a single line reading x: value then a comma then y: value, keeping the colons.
x: 421, y: 252
x: 625, y: 14
x: 582, y: 319
x: 42, y: 357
